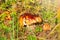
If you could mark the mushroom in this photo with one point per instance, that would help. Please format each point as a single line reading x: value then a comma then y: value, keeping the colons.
x: 46, y: 27
x: 28, y: 19
x: 7, y: 18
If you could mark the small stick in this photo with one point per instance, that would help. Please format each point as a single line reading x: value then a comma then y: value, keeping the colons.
x: 53, y: 29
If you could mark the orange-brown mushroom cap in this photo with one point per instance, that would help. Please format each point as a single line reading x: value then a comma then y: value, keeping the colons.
x: 28, y: 19
x: 46, y: 27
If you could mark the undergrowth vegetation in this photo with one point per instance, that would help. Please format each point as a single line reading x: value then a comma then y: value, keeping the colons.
x: 11, y: 10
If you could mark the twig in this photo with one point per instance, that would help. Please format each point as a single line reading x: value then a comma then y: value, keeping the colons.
x: 53, y: 29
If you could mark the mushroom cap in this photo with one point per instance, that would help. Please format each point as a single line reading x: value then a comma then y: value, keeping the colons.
x: 46, y: 27
x: 28, y: 19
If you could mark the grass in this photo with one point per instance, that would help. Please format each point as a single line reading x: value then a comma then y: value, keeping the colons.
x: 33, y: 6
